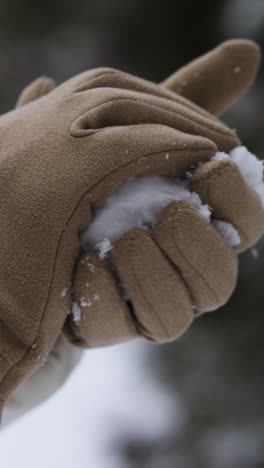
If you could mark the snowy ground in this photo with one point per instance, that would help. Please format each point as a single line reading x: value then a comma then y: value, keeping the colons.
x: 109, y: 397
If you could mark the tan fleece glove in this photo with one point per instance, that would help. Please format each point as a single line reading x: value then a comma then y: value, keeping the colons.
x: 61, y: 156
x: 183, y: 267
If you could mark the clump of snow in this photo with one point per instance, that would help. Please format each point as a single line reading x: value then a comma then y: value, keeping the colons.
x: 104, y: 247
x: 221, y: 156
x: 138, y: 203
x: 251, y: 168
x: 86, y: 261
x: 64, y: 292
x: 228, y: 232
x: 76, y: 313
x: 44, y: 360
x: 85, y: 302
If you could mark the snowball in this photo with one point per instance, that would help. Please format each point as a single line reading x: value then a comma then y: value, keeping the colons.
x: 138, y: 203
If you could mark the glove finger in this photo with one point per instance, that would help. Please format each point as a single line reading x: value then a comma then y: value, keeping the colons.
x: 142, y: 150
x: 99, y: 315
x: 217, y: 79
x: 160, y: 300
x: 35, y: 90
x: 221, y: 185
x: 123, y: 108
x: 206, y: 263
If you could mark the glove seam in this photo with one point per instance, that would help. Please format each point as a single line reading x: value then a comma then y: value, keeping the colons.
x: 199, y: 274
x: 171, y: 95
x: 155, y: 106
x: 144, y: 297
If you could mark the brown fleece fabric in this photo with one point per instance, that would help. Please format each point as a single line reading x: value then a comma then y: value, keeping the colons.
x: 62, y: 155
x: 210, y: 268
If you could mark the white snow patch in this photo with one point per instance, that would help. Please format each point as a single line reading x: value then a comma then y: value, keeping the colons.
x: 64, y: 292
x: 138, y: 203
x: 251, y: 168
x: 76, y: 312
x: 85, y: 302
x: 44, y: 360
x: 228, y: 232
x: 104, y: 247
x: 221, y: 156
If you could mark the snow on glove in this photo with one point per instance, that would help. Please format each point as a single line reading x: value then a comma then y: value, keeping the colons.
x: 62, y: 155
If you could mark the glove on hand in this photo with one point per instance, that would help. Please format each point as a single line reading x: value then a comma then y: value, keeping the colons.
x: 183, y: 267
x: 63, y: 154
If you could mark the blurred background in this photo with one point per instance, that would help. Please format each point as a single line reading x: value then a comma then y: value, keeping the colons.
x: 196, y: 403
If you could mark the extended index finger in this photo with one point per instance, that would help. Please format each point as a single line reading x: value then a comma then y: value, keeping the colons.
x: 217, y: 79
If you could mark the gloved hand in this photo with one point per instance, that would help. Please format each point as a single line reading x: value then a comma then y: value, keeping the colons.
x: 183, y: 268
x: 62, y: 155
